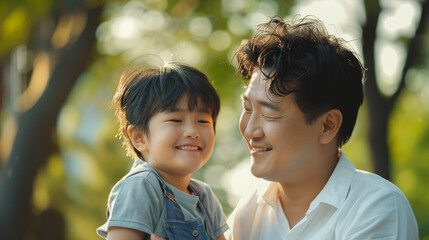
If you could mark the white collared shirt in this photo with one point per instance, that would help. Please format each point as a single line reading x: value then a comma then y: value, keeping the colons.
x: 353, y: 205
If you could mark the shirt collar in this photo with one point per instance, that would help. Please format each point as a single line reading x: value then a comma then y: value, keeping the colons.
x: 271, y: 194
x: 334, y: 193
x: 337, y: 188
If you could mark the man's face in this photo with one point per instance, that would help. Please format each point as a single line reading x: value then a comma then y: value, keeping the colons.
x: 283, y: 146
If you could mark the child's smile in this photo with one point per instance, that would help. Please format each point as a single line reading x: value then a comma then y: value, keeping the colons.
x: 190, y: 135
x: 190, y: 147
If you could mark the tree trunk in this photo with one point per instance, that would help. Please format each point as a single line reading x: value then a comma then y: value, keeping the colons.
x: 380, y: 106
x: 378, y: 111
x: 36, y: 131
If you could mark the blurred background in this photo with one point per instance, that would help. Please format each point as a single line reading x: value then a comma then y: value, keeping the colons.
x: 60, y: 62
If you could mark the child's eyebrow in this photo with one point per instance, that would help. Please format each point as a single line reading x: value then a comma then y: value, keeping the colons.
x: 175, y: 109
x: 204, y: 110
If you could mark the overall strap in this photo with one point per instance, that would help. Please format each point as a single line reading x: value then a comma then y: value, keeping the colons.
x: 208, y: 221
x: 173, y: 209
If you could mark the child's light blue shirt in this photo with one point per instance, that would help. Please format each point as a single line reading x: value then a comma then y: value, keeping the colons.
x: 137, y: 202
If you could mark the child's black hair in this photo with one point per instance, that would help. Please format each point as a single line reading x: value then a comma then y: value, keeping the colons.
x: 146, y: 91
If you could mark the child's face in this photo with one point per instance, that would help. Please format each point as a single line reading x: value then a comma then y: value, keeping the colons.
x: 180, y: 141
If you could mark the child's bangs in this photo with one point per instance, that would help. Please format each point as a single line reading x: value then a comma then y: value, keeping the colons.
x: 194, y: 97
x: 175, y: 84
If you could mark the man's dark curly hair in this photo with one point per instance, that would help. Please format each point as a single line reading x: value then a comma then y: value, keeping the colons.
x: 300, y: 57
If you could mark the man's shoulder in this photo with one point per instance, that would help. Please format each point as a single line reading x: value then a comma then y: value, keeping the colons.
x: 367, y: 182
x: 375, y: 203
x: 374, y: 193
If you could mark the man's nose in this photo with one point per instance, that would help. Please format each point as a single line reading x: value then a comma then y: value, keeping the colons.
x: 253, y: 128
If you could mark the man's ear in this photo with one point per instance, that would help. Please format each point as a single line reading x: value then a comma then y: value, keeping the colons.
x: 137, y: 138
x: 331, y: 122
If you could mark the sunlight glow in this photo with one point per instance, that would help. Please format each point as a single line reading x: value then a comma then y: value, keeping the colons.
x: 219, y: 40
x: 341, y: 18
x: 62, y: 32
x: 253, y: 19
x: 240, y: 182
x: 212, y: 173
x: 237, y: 25
x: 125, y: 27
x: 331, y: 12
x: 390, y: 62
x: 200, y: 27
x: 153, y: 21
x: 268, y: 8
x: 233, y: 6
x: 189, y: 53
x: 38, y: 82
x: 400, y: 20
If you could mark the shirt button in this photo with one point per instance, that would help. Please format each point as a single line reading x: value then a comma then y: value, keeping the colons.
x: 195, y: 233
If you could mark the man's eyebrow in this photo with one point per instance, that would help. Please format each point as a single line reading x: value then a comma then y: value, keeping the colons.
x: 267, y: 104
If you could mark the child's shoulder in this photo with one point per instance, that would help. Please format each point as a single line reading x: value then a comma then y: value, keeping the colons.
x: 140, y: 173
x: 202, y: 186
x: 137, y: 185
x: 202, y: 189
x: 139, y: 177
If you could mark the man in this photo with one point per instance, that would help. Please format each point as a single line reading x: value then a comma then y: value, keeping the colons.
x: 299, y: 108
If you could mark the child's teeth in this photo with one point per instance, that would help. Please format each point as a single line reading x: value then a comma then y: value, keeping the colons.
x: 188, y: 148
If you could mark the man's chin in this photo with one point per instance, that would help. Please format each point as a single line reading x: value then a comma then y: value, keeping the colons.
x: 257, y: 171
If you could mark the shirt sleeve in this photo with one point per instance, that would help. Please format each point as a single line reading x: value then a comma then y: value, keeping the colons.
x: 214, y: 208
x: 384, y: 216
x: 241, y: 219
x: 136, y: 203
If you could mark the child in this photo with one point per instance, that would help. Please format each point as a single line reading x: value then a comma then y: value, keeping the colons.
x: 167, y: 119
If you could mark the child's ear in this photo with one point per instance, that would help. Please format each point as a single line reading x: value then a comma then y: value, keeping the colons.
x: 331, y: 123
x: 137, y: 138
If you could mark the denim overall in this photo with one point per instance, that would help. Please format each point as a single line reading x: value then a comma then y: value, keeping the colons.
x: 175, y: 224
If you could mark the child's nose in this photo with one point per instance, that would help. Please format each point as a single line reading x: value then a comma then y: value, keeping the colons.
x: 191, y: 131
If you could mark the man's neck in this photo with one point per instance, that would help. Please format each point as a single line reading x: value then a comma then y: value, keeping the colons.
x: 296, y: 198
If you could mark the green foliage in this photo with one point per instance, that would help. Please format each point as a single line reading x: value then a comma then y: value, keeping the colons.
x: 409, y: 139
x: 90, y: 160
x: 16, y: 20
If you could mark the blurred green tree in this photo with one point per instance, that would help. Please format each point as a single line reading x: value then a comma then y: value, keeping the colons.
x: 61, y: 42
x: 381, y: 106
x: 59, y: 157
